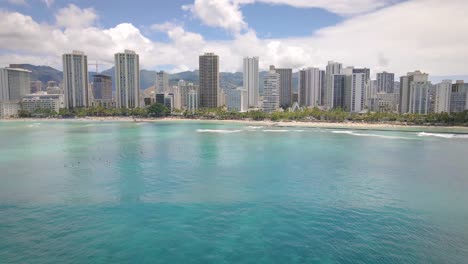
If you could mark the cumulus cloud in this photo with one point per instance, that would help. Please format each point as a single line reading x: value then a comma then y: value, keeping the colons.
x: 75, y: 17
x: 219, y: 13
x: 418, y: 34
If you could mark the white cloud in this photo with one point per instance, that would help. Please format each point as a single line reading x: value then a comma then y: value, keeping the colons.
x: 219, y: 13
x: 341, y: 7
x: 75, y: 17
x: 418, y: 34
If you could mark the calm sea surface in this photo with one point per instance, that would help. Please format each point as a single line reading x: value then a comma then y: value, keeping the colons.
x: 76, y: 192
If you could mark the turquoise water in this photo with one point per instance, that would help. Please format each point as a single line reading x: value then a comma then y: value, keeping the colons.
x: 212, y: 193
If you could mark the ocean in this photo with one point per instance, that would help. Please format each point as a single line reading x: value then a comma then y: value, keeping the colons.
x: 194, y: 192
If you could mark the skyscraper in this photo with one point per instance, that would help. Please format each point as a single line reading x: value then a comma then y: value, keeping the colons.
x: 459, y: 97
x: 162, y: 82
x: 75, y: 79
x: 355, y: 91
x: 271, y: 91
x: 14, y: 84
x: 405, y: 91
x: 332, y: 68
x: 419, y: 99
x: 285, y: 87
x: 338, y: 85
x: 442, y: 99
x: 251, y: 80
x: 385, y: 82
x: 102, y: 87
x: 209, y: 80
x: 127, y: 79
x: 310, y: 87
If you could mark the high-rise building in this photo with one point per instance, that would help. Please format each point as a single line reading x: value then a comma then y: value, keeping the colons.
x: 14, y: 84
x: 286, y: 83
x: 192, y: 101
x: 237, y: 100
x: 332, y: 69
x: 355, y: 91
x: 36, y: 86
x: 127, y: 79
x: 458, y: 97
x: 160, y: 98
x: 102, y: 87
x: 310, y: 87
x: 419, y: 99
x: 162, y: 82
x: 75, y: 79
x: 442, y: 98
x: 385, y: 82
x: 251, y: 80
x: 209, y: 80
x: 185, y: 88
x: 271, y: 91
x: 338, y: 85
x: 405, y: 91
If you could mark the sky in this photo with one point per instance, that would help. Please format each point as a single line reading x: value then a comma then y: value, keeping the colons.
x: 392, y: 35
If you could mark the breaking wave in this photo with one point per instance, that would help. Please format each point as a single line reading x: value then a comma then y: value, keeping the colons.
x: 219, y: 131
x: 352, y: 133
x: 442, y: 135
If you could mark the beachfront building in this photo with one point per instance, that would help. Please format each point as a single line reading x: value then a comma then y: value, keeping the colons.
x: 14, y: 84
x: 332, y: 69
x: 385, y: 82
x: 419, y: 98
x: 237, y: 100
x: 162, y: 82
x: 127, y: 79
x: 271, y: 91
x: 209, y: 80
x: 442, y: 96
x: 192, y: 101
x: 75, y: 79
x: 405, y: 88
x: 459, y: 97
x: 310, y: 87
x: 386, y: 102
x: 42, y: 100
x: 251, y: 80
x: 285, y: 86
x: 355, y: 92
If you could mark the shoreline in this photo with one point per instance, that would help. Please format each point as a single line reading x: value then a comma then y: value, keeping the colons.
x: 268, y: 123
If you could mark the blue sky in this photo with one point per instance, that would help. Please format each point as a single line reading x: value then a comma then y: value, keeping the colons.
x: 171, y: 34
x: 269, y: 21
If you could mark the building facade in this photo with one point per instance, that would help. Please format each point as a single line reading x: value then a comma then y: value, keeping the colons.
x: 310, y: 87
x: 333, y: 68
x: 286, y: 84
x: 442, y: 96
x: 162, y: 82
x: 14, y: 84
x: 42, y: 100
x: 75, y: 79
x: 192, y: 101
x: 127, y: 79
x: 271, y: 91
x: 102, y: 87
x: 237, y: 100
x: 355, y: 92
x: 419, y: 99
x: 338, y: 85
x: 251, y: 80
x: 459, y: 97
x: 385, y: 82
x: 405, y: 91
x: 209, y: 80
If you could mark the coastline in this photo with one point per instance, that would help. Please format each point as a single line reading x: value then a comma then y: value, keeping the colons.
x: 268, y: 123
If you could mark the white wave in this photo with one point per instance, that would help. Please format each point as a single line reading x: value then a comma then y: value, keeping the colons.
x: 298, y: 130
x: 352, y: 133
x: 220, y: 131
x: 442, y: 135
x: 275, y: 130
x: 254, y: 127
x: 34, y: 125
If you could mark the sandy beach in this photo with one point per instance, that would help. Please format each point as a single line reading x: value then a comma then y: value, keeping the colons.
x: 310, y: 124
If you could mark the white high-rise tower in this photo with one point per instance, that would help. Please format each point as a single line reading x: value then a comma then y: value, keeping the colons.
x: 251, y: 80
x: 75, y: 79
x: 127, y: 79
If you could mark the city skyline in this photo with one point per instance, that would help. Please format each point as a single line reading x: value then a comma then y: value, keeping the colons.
x: 173, y: 37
